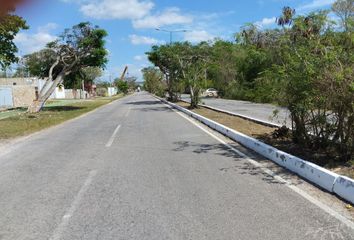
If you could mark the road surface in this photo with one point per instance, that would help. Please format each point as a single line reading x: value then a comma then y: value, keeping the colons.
x: 264, y: 112
x: 135, y: 169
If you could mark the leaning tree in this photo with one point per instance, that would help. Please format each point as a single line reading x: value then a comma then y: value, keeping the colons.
x: 77, y: 48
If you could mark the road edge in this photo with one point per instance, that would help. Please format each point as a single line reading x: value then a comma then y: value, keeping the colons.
x: 341, y: 186
x: 6, y: 147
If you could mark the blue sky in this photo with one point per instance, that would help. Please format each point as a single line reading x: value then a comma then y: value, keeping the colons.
x: 131, y: 24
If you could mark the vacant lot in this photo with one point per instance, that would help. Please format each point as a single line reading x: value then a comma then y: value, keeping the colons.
x: 54, y: 113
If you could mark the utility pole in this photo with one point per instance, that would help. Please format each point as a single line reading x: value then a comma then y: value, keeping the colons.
x: 83, y: 89
x: 170, y: 32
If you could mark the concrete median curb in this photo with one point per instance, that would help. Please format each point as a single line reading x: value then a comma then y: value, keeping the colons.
x: 262, y: 122
x: 344, y: 187
x: 325, y: 179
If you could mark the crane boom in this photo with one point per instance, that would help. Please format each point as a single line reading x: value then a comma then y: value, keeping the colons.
x: 124, y: 73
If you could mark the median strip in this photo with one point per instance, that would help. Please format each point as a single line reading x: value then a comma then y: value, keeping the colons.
x: 327, y: 180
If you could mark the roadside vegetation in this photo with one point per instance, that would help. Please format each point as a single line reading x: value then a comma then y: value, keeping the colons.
x: 305, y: 64
x: 54, y: 113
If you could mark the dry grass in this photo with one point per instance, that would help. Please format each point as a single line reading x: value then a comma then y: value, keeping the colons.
x: 25, y: 123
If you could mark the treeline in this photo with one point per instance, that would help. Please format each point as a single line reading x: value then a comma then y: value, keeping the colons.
x: 306, y: 65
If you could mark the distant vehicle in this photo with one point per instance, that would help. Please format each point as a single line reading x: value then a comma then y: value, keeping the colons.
x: 139, y: 90
x: 211, y: 92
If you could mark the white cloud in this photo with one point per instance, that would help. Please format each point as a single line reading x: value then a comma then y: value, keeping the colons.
x: 266, y: 22
x: 143, y: 40
x: 168, y: 17
x: 316, y: 4
x: 198, y: 36
x: 29, y: 43
x: 140, y: 58
x: 48, y: 27
x: 116, y: 9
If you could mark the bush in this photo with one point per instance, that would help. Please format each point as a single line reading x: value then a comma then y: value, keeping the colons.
x: 123, y: 86
x: 102, y: 92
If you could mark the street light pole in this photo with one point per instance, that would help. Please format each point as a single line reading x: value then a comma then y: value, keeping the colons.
x: 171, y: 32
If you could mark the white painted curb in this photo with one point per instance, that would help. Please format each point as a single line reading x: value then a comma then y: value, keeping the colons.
x: 344, y: 187
x: 327, y: 180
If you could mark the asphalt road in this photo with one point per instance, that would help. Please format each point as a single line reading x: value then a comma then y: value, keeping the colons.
x: 134, y: 169
x: 264, y: 112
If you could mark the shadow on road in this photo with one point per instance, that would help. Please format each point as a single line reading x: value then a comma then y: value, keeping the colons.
x: 218, y: 149
x: 62, y: 108
x: 139, y: 103
x: 150, y: 106
x: 242, y: 166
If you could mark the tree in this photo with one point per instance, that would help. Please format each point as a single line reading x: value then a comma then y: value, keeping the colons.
x: 122, y: 86
x: 103, y: 84
x: 86, y: 75
x: 154, y: 81
x: 287, y: 17
x: 344, y: 9
x: 131, y: 81
x: 90, y: 74
x: 316, y: 74
x: 10, y: 25
x: 164, y: 57
x: 39, y: 63
x: 193, y: 61
x: 184, y: 65
x: 79, y: 47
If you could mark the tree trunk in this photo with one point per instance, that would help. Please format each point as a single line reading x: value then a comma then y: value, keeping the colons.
x: 37, y: 105
x: 194, y: 104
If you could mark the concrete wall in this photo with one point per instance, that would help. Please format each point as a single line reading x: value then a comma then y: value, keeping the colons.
x: 75, y: 94
x: 59, y: 92
x: 18, y: 81
x: 112, y: 91
x: 24, y: 90
x: 23, y: 96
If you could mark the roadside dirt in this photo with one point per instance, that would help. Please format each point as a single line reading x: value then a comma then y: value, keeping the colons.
x: 266, y: 135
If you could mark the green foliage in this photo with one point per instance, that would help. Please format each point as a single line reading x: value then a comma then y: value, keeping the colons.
x: 10, y: 25
x: 76, y: 50
x: 90, y: 74
x: 103, y: 84
x: 86, y: 74
x: 131, y: 82
x: 164, y: 57
x: 122, y: 86
x: 102, y: 91
x: 194, y: 61
x: 184, y: 66
x: 39, y: 63
x: 154, y: 81
x: 316, y: 74
x: 305, y: 65
x: 344, y: 9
